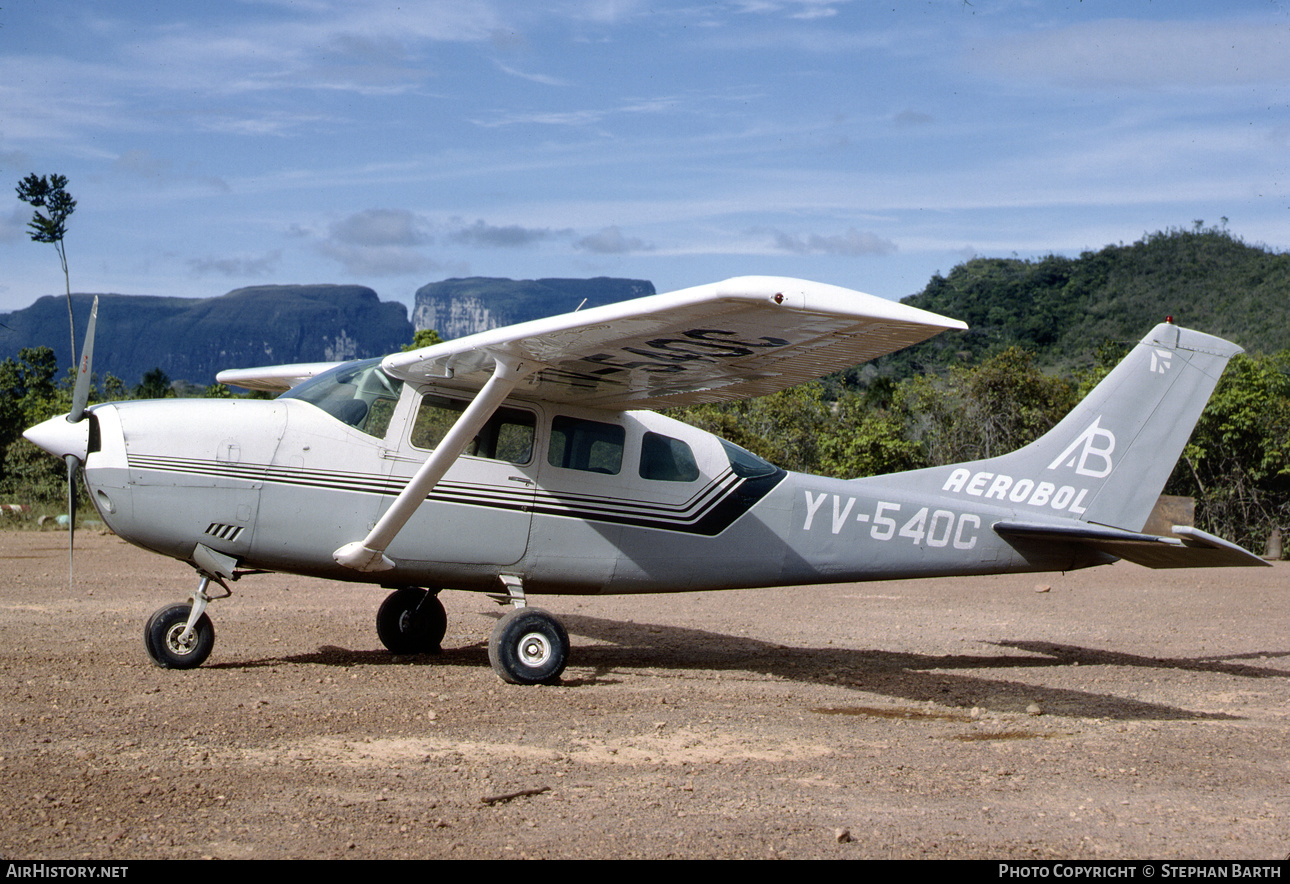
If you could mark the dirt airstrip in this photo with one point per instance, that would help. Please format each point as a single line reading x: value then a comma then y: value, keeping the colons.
x: 1121, y: 713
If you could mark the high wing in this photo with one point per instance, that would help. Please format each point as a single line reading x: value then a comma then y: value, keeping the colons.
x: 273, y: 378
x: 737, y: 339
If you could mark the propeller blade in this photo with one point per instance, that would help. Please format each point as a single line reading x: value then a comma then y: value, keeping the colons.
x: 72, y: 464
x: 81, y: 392
x: 80, y: 397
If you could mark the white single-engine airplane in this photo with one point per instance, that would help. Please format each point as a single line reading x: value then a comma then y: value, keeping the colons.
x: 516, y: 461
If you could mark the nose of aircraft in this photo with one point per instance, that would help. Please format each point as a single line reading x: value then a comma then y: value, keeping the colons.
x: 61, y: 437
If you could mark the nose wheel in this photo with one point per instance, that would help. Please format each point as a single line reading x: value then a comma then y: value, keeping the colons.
x: 181, y: 636
x: 172, y: 643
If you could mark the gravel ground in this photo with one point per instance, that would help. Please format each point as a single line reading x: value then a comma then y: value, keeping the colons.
x: 1120, y: 713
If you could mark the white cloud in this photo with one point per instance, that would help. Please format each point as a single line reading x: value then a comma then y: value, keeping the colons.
x: 910, y: 117
x: 659, y: 105
x: 370, y: 49
x: 802, y: 9
x: 262, y: 265
x: 604, y: 11
x: 143, y: 164
x: 545, y: 118
x: 13, y: 226
x: 1143, y: 54
x: 610, y: 241
x: 508, y: 237
x: 541, y: 79
x: 381, y: 227
x: 378, y: 242
x: 851, y: 244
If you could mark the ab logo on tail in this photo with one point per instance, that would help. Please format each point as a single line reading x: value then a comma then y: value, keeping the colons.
x: 1090, y: 453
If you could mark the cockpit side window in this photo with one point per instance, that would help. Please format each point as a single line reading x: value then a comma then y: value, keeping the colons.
x: 507, y: 436
x: 666, y: 459
x: 356, y: 393
x: 591, y: 446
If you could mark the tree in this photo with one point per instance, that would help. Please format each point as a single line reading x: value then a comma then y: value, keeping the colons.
x: 424, y: 337
x: 784, y: 427
x: 29, y: 394
x: 155, y: 385
x: 50, y: 193
x: 1237, y: 463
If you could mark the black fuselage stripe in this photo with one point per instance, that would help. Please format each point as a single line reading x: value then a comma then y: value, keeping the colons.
x: 709, y: 511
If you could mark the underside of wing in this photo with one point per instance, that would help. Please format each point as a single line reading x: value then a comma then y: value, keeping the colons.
x: 1192, y: 548
x: 273, y: 378
x: 737, y: 339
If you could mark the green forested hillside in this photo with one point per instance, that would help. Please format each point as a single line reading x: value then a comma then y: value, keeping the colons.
x: 1064, y: 309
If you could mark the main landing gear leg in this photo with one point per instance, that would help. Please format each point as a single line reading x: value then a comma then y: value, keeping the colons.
x: 528, y: 645
x: 181, y: 636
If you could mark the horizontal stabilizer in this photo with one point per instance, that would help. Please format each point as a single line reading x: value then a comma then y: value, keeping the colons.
x: 1192, y: 548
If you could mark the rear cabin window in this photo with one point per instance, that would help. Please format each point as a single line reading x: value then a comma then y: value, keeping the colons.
x: 667, y: 460
x: 507, y: 436
x: 591, y: 446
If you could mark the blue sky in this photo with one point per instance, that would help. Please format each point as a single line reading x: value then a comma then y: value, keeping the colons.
x: 870, y: 145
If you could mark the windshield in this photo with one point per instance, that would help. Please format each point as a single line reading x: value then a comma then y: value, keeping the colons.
x: 746, y: 464
x: 356, y: 393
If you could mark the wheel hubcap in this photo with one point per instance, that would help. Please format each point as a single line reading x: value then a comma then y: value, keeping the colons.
x: 535, y: 649
x: 174, y: 640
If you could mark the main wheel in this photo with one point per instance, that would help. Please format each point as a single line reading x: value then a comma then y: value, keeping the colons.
x: 411, y: 621
x: 162, y: 638
x: 528, y: 646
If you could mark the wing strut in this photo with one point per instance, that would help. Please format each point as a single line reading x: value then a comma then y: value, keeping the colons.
x: 369, y: 554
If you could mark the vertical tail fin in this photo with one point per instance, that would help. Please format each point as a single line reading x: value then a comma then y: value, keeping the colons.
x: 1107, y: 461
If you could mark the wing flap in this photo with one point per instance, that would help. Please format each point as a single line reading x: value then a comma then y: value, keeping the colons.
x: 1192, y: 548
x: 736, y: 339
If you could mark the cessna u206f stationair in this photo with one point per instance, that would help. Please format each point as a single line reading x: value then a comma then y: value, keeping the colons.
x: 520, y: 460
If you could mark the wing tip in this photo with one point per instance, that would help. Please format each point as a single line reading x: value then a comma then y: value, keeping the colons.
x: 273, y: 378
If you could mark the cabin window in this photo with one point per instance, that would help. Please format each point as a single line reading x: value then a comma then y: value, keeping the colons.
x: 507, y: 436
x: 591, y: 446
x: 356, y: 393
x: 667, y: 460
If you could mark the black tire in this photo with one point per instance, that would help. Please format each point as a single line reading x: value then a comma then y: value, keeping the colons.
x: 412, y: 620
x: 528, y: 646
x: 161, y: 638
